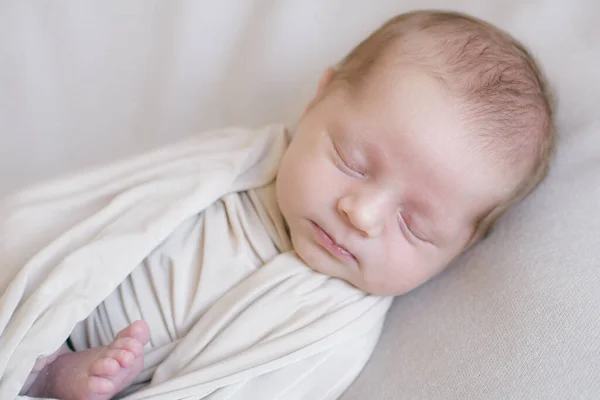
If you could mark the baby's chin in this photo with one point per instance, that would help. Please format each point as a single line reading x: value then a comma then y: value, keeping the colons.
x: 320, y: 263
x: 311, y: 258
x: 322, y: 266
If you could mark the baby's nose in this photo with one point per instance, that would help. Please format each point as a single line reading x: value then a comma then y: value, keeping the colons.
x: 366, y: 214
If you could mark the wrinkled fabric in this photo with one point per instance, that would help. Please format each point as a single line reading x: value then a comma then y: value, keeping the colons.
x: 190, y: 239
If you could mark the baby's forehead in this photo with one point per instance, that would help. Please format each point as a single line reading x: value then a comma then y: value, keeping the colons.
x: 494, y: 128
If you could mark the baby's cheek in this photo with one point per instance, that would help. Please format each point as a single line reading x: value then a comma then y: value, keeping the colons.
x: 312, y: 180
x: 398, y: 266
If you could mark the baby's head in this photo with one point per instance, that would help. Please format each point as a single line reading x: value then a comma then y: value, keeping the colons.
x: 422, y: 137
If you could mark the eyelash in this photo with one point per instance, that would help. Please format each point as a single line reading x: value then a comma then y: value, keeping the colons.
x: 402, y: 220
x: 346, y: 165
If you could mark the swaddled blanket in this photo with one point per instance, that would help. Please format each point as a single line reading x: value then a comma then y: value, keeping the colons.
x: 190, y: 239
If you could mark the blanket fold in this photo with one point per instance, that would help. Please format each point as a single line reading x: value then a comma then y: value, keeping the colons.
x: 88, y: 254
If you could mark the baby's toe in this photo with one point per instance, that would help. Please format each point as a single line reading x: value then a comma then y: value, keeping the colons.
x: 129, y: 344
x: 138, y: 330
x: 106, y: 366
x: 100, y: 385
x: 124, y: 357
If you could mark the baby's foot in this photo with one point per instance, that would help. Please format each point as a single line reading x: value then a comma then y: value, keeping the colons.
x: 98, y: 373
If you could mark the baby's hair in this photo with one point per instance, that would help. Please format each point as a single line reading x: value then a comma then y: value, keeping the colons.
x: 500, y: 87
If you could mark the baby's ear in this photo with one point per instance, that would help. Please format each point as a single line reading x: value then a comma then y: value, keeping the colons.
x: 326, y: 79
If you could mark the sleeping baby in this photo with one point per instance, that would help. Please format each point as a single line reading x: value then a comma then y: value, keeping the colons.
x: 413, y: 146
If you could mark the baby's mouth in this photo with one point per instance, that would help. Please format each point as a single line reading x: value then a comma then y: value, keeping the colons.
x: 327, y: 241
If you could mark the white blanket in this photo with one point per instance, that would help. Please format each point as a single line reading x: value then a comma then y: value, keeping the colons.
x: 240, y: 318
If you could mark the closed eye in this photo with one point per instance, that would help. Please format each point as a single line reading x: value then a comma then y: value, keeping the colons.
x: 347, y: 166
x: 405, y: 220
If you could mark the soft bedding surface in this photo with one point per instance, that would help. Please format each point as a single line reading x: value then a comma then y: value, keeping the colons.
x: 86, y: 82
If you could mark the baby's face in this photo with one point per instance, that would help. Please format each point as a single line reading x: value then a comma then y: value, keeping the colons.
x: 383, y: 187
